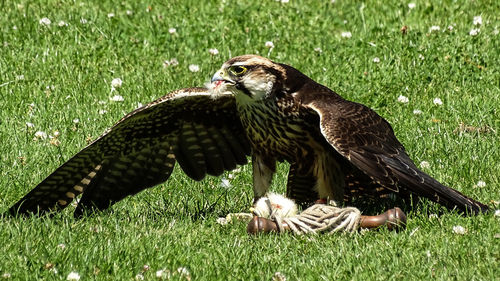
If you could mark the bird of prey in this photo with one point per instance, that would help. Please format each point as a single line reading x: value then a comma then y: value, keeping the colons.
x: 337, y: 149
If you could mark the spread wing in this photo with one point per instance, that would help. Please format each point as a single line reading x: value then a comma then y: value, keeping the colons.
x: 368, y: 141
x: 190, y: 126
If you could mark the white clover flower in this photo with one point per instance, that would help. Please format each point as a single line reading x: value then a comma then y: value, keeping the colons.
x: 425, y: 165
x: 376, y: 59
x: 172, y: 30
x: 129, y: 12
x: 417, y: 111
x: 73, y: 276
x: 420, y: 56
x: 61, y: 246
x: 194, y: 68
x: 458, y: 229
x: 45, y: 21
x: 225, y: 183
x: 76, y: 120
x: 116, y: 98
x: 116, y: 83
x: 14, y: 27
x: 139, y: 277
x: 437, y: 101
x: 30, y: 125
x: 434, y: 28
x: 474, y: 32
x: 20, y: 77
x: 111, y: 15
x: 213, y: 51
x: 41, y: 135
x: 269, y: 44
x: 412, y: 5
x: 83, y: 21
x: 403, y: 99
x: 103, y: 111
x: 163, y: 274
x: 495, y: 31
x: 480, y: 184
x: 172, y: 62
x: 183, y: 270
x: 278, y: 276
x: 318, y: 50
x: 62, y: 23
x: 6, y: 275
x: 450, y: 27
x: 478, y: 20
x: 56, y: 134
x: 346, y: 34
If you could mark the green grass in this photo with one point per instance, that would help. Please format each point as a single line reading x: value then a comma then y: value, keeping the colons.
x: 67, y: 72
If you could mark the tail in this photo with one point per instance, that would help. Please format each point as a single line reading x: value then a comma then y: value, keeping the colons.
x: 421, y: 184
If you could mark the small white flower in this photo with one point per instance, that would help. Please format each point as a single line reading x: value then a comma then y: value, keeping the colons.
x: 6, y: 275
x: 278, y: 276
x: 497, y: 213
x: 14, y: 27
x: 412, y: 5
x: 61, y: 246
x: 116, y: 83
x: 129, y: 12
x: 403, y: 99
x: 458, y: 229
x: 213, y: 52
x: 103, y: 111
x: 480, y: 184
x: 20, y: 77
x: 76, y: 120
x: 183, y: 270
x: 41, y: 135
x: 30, y: 125
x: 474, y: 32
x: 56, y: 134
x: 172, y: 62
x: 172, y: 30
x: 417, y: 111
x: 318, y: 50
x: 111, y: 15
x: 478, y: 20
x: 437, y: 101
x: 45, y: 21
x: 376, y: 59
x: 116, y: 98
x: 346, y: 34
x: 225, y: 183
x: 73, y: 276
x: 450, y: 27
x: 83, y: 21
x: 434, y: 28
x: 269, y: 44
x: 62, y: 23
x: 194, y: 68
x: 163, y: 274
x: 420, y: 56
x: 425, y: 165
x: 139, y: 277
x: 495, y: 31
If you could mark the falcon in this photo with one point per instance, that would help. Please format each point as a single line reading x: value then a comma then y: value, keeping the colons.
x: 337, y: 149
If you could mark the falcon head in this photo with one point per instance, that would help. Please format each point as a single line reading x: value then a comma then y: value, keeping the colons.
x: 250, y: 78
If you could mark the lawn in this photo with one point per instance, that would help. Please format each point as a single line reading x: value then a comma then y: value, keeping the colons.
x: 437, y: 81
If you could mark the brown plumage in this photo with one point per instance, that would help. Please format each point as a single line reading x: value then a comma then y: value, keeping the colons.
x: 337, y: 149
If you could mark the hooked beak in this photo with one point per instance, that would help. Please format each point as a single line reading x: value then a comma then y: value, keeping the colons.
x: 219, y: 77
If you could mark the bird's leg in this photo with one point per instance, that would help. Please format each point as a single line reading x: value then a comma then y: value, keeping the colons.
x: 263, y: 171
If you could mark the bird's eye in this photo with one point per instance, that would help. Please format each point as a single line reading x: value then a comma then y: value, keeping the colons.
x: 238, y: 70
